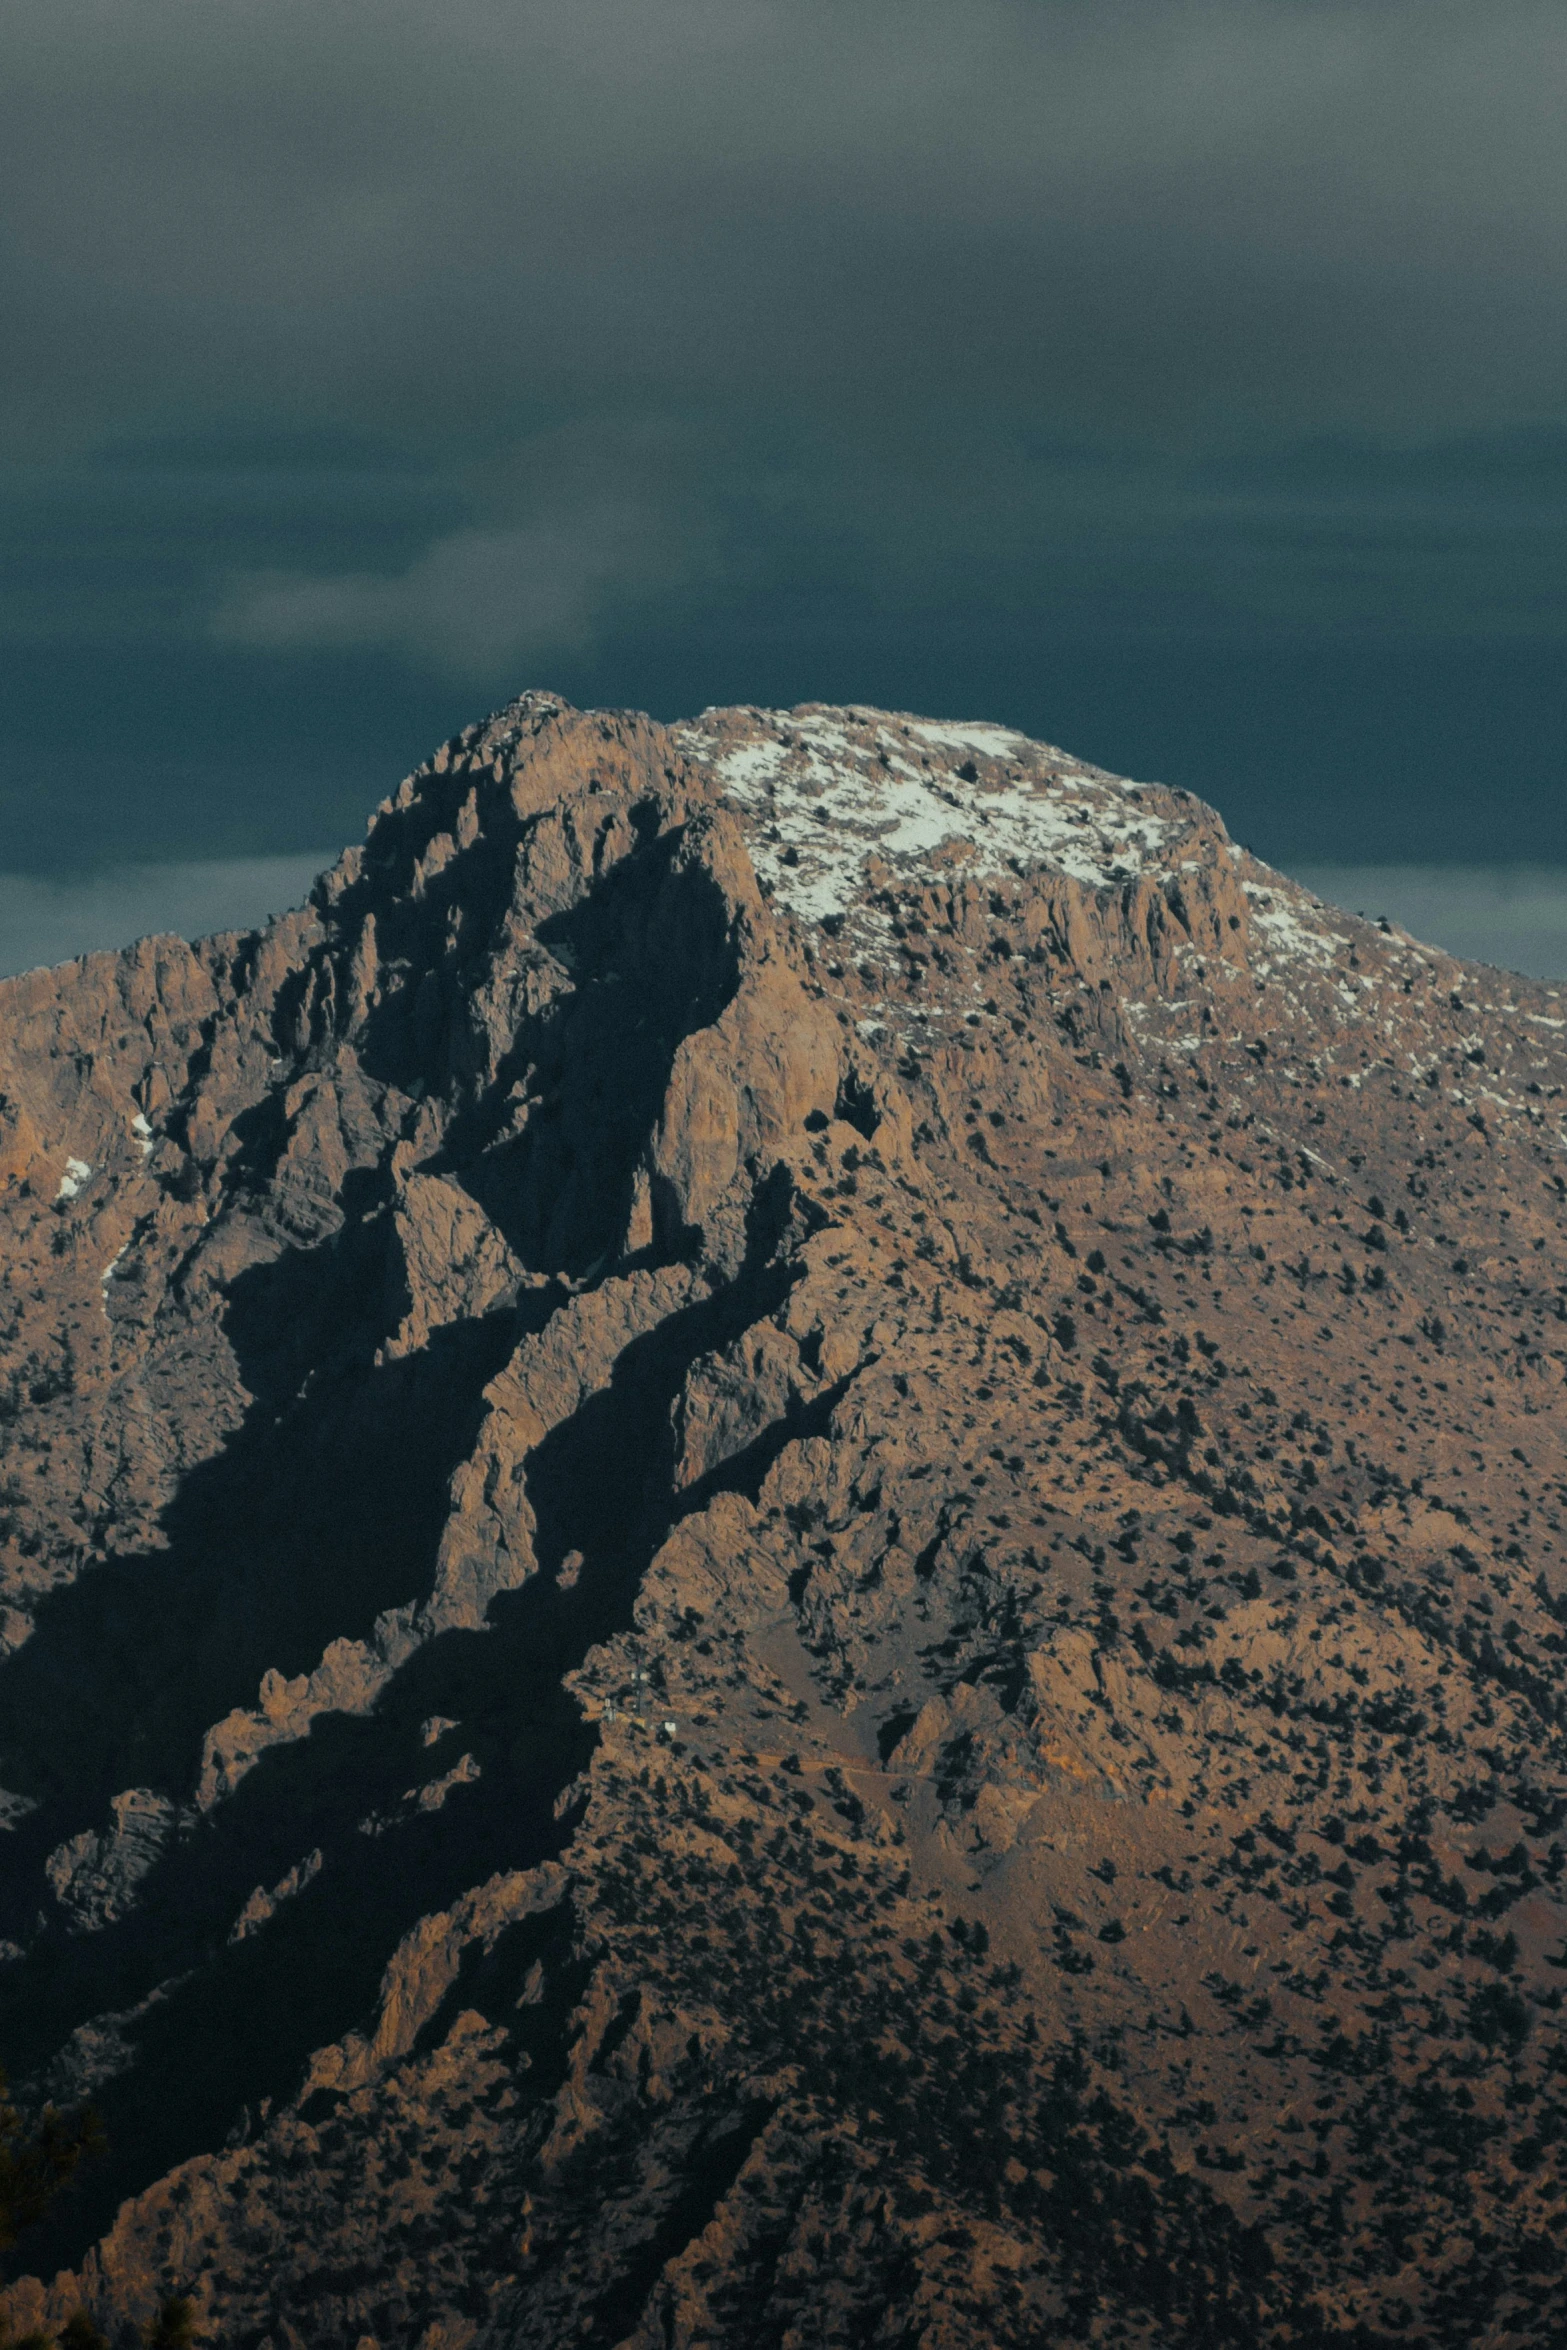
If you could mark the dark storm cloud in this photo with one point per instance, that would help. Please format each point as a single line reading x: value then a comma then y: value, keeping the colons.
x: 1150, y: 212
x: 964, y: 353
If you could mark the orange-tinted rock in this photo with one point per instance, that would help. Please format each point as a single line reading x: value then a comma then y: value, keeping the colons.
x: 783, y: 1563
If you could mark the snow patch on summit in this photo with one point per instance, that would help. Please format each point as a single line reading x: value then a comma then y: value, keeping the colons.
x: 826, y: 790
x: 1277, y: 911
x: 992, y: 742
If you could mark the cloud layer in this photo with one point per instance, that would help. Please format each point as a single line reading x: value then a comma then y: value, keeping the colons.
x: 45, y: 922
x: 367, y: 355
x: 1152, y: 212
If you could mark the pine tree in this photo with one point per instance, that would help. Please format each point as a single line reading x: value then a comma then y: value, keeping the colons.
x: 36, y: 2164
x: 172, y: 2328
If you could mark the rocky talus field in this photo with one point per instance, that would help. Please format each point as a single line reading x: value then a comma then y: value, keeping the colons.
x: 781, y: 1540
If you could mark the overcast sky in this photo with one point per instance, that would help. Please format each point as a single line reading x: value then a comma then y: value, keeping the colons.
x: 1184, y: 383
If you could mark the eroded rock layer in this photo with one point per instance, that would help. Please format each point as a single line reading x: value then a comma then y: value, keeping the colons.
x: 782, y: 1564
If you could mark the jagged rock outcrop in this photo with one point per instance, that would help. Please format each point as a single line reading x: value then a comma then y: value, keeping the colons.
x: 782, y: 1563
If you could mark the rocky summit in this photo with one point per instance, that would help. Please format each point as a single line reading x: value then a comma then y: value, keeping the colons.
x: 783, y: 1565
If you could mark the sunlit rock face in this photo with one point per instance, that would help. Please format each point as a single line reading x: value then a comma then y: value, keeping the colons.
x: 782, y: 1564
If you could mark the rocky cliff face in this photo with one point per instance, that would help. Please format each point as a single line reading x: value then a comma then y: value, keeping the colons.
x: 782, y: 1564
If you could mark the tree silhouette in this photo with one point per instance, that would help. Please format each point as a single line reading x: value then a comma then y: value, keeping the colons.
x: 36, y: 2163
x: 172, y: 2328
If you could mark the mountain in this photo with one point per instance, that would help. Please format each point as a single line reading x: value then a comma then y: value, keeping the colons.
x: 783, y: 1565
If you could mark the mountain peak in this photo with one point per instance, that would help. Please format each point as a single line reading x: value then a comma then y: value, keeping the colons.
x: 794, y: 1499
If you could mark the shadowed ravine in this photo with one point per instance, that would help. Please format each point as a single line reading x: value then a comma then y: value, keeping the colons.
x: 238, y: 2030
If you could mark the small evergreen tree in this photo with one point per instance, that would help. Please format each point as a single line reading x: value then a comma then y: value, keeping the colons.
x: 35, y: 2164
x: 172, y: 2328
